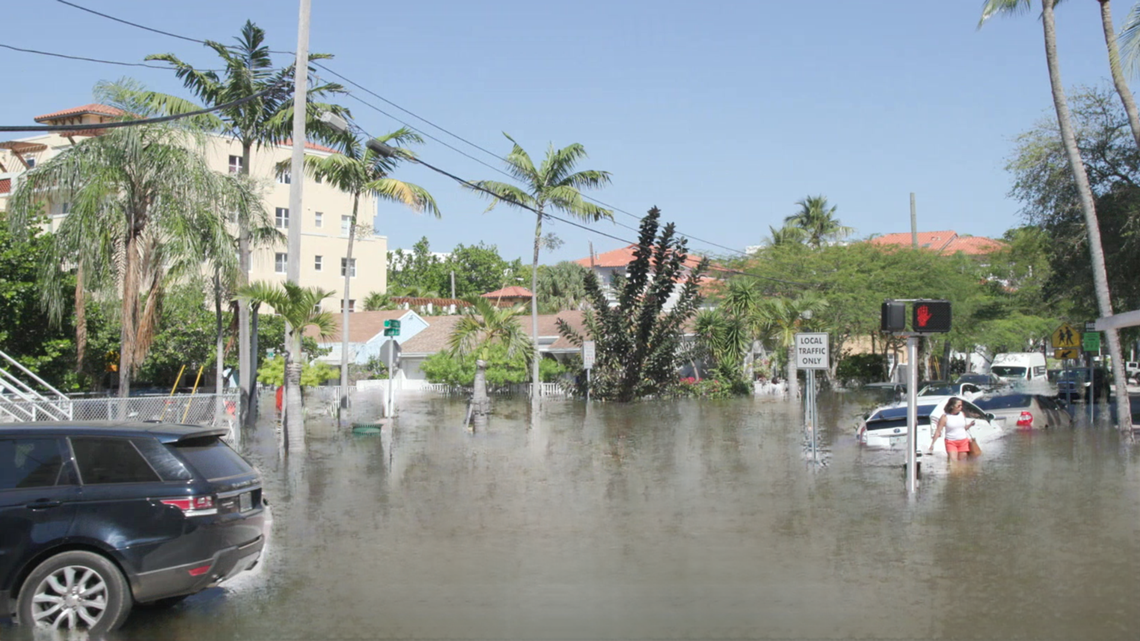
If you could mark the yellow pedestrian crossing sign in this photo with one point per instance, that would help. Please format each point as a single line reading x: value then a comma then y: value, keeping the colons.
x: 1066, y: 337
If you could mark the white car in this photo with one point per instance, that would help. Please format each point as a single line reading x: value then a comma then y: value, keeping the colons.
x: 886, y: 427
x: 966, y: 391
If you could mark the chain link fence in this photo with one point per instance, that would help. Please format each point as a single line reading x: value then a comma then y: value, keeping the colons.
x: 216, y: 410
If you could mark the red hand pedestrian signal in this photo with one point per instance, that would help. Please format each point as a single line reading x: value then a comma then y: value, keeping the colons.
x: 931, y: 316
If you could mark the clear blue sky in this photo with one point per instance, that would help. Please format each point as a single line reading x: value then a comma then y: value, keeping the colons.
x: 723, y: 114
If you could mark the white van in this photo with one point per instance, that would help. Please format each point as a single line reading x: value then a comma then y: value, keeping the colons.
x: 1020, y: 367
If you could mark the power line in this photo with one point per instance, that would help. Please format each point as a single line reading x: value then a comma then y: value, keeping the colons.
x: 136, y: 123
x: 128, y: 22
x: 84, y: 59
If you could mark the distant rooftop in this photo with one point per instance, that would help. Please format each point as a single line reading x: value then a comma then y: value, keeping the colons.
x: 92, y: 109
x: 943, y: 242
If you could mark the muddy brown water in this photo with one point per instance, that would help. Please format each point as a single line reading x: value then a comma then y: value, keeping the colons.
x: 677, y: 520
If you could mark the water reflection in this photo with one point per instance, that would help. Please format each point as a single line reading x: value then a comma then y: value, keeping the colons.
x: 676, y: 520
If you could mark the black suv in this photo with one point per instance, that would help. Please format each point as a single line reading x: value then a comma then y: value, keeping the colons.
x: 95, y: 518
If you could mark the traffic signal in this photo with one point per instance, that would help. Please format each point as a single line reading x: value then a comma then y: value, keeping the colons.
x: 893, y: 316
x: 929, y: 316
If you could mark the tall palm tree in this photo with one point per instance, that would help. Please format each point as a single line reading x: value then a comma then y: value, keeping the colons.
x: 816, y: 219
x: 358, y: 170
x: 299, y: 307
x: 1080, y: 177
x: 554, y: 185
x: 786, y: 235
x: 785, y: 317
x: 140, y: 195
x: 480, y: 329
x: 248, y: 69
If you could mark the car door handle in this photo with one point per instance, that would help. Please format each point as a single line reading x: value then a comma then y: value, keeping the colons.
x: 43, y: 504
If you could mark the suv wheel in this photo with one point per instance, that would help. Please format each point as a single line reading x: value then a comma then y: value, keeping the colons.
x: 74, y: 590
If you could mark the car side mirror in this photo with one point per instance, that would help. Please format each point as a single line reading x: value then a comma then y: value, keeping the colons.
x: 990, y: 416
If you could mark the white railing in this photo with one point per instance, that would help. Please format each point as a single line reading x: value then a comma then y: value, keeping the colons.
x: 217, y: 410
x: 21, y: 402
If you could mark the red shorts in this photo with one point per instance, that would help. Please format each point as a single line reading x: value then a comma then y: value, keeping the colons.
x: 962, y: 445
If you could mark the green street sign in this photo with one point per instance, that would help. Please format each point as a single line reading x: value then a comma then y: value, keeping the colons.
x: 392, y: 331
x: 1090, y: 341
x: 392, y: 324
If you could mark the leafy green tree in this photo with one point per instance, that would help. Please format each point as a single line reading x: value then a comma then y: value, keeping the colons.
x: 183, y: 337
x: 816, y: 221
x: 561, y: 286
x: 376, y: 301
x: 298, y: 306
x: 478, y: 269
x: 638, y: 342
x: 552, y: 185
x: 140, y: 199
x: 502, y: 369
x: 358, y: 170
x: 247, y: 69
x: 787, y: 317
x: 476, y: 334
x: 1085, y: 197
x: 27, y: 333
x: 418, y: 270
x: 272, y: 373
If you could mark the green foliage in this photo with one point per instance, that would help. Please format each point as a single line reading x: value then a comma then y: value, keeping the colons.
x: 27, y: 333
x: 478, y: 269
x: 185, y: 336
x: 710, y: 388
x: 561, y: 286
x: 816, y: 223
x: 452, y: 369
x: 638, y: 344
x: 862, y: 368
x: 272, y: 373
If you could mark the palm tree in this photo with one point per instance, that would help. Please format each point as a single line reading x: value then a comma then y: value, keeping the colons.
x: 785, y: 317
x: 786, y: 235
x: 141, y: 196
x: 554, y: 185
x: 248, y: 69
x: 299, y: 307
x: 376, y: 301
x: 483, y: 327
x: 817, y: 221
x: 1080, y: 177
x: 358, y: 170
x: 561, y: 286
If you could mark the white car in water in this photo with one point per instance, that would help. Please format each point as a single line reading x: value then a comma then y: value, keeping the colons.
x: 886, y: 427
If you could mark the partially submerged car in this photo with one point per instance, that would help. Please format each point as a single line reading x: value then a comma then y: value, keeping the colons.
x: 1027, y: 411
x: 886, y: 427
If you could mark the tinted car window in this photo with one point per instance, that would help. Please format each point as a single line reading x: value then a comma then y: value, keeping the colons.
x: 1004, y: 402
x: 166, y: 464
x: 212, y: 458
x: 1008, y: 371
x: 110, y: 460
x: 29, y: 462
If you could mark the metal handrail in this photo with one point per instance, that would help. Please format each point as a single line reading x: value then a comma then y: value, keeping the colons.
x: 37, y: 379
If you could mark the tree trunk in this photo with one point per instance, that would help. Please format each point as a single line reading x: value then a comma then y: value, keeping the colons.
x: 246, y: 372
x: 793, y: 374
x: 1118, y: 79
x: 344, y: 311
x: 80, y: 318
x: 1088, y: 208
x: 480, y: 402
x: 219, y: 349
x: 255, y: 359
x: 129, y: 315
x: 294, y: 419
x: 536, y: 383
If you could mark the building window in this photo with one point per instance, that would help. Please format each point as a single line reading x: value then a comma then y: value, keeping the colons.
x: 344, y: 262
x: 345, y: 224
x: 318, y: 179
x: 285, y: 178
x: 31, y: 161
x: 318, y: 263
x: 319, y: 219
x: 280, y: 263
x: 351, y: 305
x: 317, y: 308
x: 235, y: 164
x: 282, y: 218
x: 65, y: 208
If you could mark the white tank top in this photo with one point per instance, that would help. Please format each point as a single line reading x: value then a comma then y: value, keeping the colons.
x: 955, y: 429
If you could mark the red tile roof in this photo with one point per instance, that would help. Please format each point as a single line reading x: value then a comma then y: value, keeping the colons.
x: 624, y: 256
x: 946, y: 242
x: 362, y: 326
x: 514, y: 291
x: 288, y: 142
x: 95, y: 109
x: 5, y: 185
x: 435, y: 302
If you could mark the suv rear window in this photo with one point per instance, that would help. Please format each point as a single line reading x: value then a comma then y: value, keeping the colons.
x: 1003, y: 402
x: 110, y: 460
x: 212, y: 458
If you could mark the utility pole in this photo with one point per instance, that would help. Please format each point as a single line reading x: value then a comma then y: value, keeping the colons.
x: 294, y: 425
x: 913, y: 222
x: 453, y: 284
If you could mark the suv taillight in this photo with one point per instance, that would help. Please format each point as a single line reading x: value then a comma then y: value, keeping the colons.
x: 194, y: 505
x: 1026, y: 420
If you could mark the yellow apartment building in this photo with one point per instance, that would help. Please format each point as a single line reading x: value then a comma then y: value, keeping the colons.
x: 324, y: 221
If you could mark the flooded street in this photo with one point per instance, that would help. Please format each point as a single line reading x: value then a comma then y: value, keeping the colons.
x: 676, y: 520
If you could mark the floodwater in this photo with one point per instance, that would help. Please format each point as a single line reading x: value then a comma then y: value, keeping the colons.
x: 676, y: 520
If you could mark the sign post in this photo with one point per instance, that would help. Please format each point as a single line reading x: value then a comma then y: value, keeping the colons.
x: 812, y: 353
x: 589, y: 352
x: 391, y: 350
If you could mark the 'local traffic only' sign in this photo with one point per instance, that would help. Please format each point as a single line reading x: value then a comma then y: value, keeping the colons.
x: 811, y: 350
x: 589, y: 351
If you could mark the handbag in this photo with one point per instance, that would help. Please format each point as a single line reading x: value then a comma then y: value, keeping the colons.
x: 975, y: 449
